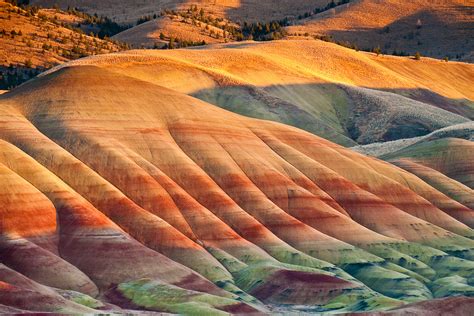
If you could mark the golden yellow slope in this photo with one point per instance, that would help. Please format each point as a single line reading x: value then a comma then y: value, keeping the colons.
x: 314, y: 85
x: 157, y: 32
x: 294, y: 62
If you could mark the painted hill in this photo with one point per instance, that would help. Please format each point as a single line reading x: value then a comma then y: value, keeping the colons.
x: 442, y: 158
x: 346, y: 96
x: 433, y: 28
x: 132, y: 195
x: 447, y: 163
x: 448, y: 306
x: 32, y: 40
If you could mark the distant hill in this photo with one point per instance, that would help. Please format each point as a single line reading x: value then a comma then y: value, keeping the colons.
x: 186, y: 28
x: 236, y: 10
x: 434, y: 28
x: 440, y: 29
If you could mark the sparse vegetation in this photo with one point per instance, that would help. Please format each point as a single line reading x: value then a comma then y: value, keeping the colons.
x: 377, y: 50
x: 52, y: 41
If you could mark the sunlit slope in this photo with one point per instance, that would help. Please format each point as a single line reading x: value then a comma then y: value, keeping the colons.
x: 158, y: 32
x: 315, y: 86
x: 40, y: 40
x: 138, y: 195
x: 433, y: 28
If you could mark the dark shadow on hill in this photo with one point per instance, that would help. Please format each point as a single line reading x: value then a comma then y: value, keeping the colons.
x: 265, y: 11
x: 463, y: 107
x: 344, y: 114
x: 423, y: 32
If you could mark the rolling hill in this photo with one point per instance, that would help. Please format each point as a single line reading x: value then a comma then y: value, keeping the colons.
x: 342, y: 95
x: 434, y: 28
x: 157, y: 33
x: 131, y: 194
x: 442, y: 158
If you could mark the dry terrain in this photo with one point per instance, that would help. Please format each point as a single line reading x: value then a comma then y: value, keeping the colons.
x: 31, y: 41
x: 158, y: 32
x: 433, y: 28
x: 236, y: 10
x: 133, y: 195
x: 440, y: 29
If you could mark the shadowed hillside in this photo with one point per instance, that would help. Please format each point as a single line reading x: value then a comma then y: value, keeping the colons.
x: 131, y: 194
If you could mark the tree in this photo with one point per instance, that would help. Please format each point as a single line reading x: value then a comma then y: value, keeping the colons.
x: 28, y: 63
x: 417, y: 56
x: 171, y: 44
x: 377, y: 50
x: 162, y: 36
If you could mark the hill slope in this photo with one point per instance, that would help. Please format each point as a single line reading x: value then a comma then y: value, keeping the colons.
x: 157, y: 32
x: 237, y: 10
x: 433, y: 28
x: 111, y: 182
x: 346, y: 96
x: 33, y: 40
x: 442, y: 158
